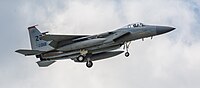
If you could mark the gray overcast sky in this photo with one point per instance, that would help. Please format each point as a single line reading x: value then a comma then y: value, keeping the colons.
x: 168, y: 61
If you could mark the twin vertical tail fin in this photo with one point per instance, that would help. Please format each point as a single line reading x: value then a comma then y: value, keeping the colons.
x: 38, y: 46
x: 36, y: 42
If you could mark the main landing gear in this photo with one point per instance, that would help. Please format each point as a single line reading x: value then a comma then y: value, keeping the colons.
x: 84, y: 57
x: 80, y: 58
x: 89, y: 64
x: 126, y: 46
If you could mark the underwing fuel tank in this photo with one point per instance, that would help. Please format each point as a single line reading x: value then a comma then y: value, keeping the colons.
x: 82, y: 44
x: 103, y: 55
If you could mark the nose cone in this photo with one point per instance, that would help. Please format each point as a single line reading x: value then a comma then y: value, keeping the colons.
x: 163, y: 29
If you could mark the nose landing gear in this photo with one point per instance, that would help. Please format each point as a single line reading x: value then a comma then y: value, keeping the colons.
x: 126, y: 46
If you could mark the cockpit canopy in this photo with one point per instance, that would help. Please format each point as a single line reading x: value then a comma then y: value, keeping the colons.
x: 134, y: 25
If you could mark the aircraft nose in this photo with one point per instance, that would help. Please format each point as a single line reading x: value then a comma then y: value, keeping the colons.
x: 163, y: 29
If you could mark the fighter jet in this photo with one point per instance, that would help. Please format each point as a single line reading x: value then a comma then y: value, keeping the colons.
x: 87, y: 48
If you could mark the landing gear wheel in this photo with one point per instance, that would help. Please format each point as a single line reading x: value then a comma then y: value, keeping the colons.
x: 80, y: 58
x: 127, y: 54
x: 89, y: 64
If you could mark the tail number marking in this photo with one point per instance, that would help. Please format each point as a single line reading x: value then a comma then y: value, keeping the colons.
x: 37, y: 38
x: 42, y: 44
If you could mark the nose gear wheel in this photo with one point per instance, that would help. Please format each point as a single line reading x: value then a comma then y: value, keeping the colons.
x: 127, y: 54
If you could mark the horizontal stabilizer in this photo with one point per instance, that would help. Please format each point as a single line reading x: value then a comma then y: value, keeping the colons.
x: 44, y: 63
x: 29, y: 52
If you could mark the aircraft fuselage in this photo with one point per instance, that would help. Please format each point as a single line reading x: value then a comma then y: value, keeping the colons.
x: 87, y: 48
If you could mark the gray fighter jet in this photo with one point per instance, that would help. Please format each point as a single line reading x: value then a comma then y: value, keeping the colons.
x: 87, y: 48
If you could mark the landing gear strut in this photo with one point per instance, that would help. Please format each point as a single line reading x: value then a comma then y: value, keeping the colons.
x: 126, y: 46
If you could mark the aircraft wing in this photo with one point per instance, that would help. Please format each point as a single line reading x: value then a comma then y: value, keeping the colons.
x: 29, y: 52
x: 117, y: 36
x: 55, y: 39
x: 60, y: 37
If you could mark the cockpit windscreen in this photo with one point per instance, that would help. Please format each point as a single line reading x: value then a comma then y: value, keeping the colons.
x: 134, y: 25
